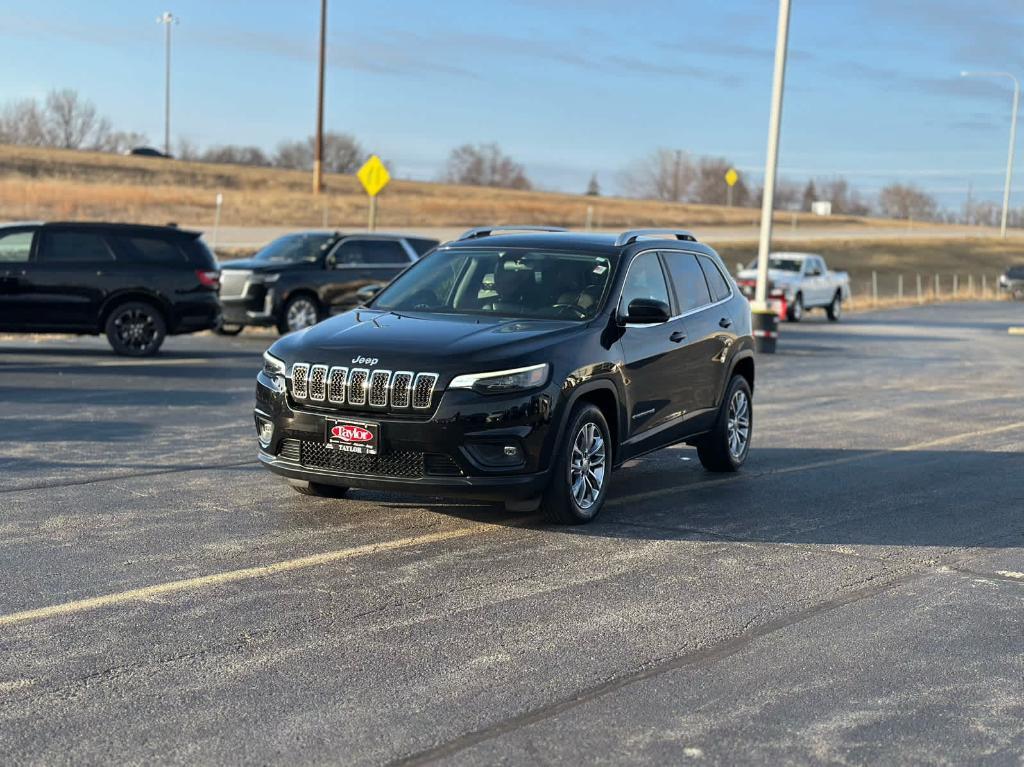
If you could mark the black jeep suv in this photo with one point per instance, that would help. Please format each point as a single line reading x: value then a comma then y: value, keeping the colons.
x: 518, y: 368
x: 135, y: 283
x: 299, y: 279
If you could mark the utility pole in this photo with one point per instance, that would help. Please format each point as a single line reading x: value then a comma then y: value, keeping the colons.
x: 168, y: 19
x: 1013, y: 141
x: 318, y: 149
x: 765, y: 330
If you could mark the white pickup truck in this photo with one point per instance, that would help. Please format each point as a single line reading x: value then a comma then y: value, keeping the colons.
x: 797, y: 282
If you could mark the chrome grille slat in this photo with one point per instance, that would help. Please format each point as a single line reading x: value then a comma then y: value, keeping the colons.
x: 379, y: 381
x: 337, y: 380
x: 363, y: 387
x: 357, y: 386
x: 401, y: 388
x: 423, y: 390
x: 318, y: 383
x: 300, y: 380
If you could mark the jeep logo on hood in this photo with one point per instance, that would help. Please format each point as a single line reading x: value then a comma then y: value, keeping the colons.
x: 364, y: 360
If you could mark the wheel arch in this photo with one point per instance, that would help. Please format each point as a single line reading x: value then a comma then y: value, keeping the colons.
x: 129, y: 296
x: 604, y: 396
x: 743, y: 364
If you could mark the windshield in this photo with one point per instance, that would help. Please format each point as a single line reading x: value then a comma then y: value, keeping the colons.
x: 525, y: 284
x: 782, y: 264
x: 294, y: 248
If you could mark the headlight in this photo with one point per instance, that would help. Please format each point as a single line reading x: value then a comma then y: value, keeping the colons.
x: 503, y: 381
x: 273, y: 368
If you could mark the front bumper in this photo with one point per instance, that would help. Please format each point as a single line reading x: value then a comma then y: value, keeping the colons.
x: 254, y: 308
x: 444, y: 447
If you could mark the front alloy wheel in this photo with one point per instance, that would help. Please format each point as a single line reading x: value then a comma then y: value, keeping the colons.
x: 587, y: 467
x: 580, y: 472
x: 300, y: 313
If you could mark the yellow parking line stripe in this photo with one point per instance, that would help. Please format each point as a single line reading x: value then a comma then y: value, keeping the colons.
x: 234, y: 576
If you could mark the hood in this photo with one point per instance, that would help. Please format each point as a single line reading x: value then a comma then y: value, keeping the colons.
x: 776, y: 276
x: 418, y: 341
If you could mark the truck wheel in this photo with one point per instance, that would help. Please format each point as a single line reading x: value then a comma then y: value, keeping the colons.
x: 300, y: 312
x: 725, y: 448
x: 835, y: 309
x: 319, y: 490
x: 582, y: 469
x: 795, y: 311
x: 135, y: 329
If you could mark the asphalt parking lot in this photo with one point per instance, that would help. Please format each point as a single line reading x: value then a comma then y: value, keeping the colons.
x: 856, y: 595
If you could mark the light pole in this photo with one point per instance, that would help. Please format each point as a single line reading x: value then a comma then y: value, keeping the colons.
x: 765, y: 329
x: 168, y: 19
x: 318, y: 148
x: 1013, y: 141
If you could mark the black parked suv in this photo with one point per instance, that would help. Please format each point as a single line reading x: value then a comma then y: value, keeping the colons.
x: 135, y: 283
x: 299, y: 279
x: 518, y: 368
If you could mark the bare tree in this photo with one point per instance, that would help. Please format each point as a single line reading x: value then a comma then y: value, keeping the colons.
x: 235, y: 155
x: 22, y: 122
x: 485, y: 165
x: 710, y: 186
x: 72, y: 122
x: 187, y: 150
x: 810, y: 195
x: 906, y: 201
x: 342, y: 153
x: 120, y: 142
x: 665, y: 174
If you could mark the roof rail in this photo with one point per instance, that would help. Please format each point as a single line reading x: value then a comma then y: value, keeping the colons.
x: 635, y: 234
x: 487, y: 231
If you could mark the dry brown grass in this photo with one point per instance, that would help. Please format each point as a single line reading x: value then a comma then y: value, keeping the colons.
x: 60, y: 184
x: 972, y: 260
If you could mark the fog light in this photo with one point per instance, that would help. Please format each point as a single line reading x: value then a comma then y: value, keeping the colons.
x: 265, y: 431
x: 496, y: 454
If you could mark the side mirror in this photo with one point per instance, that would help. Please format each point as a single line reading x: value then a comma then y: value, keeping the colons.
x: 647, y: 311
x: 367, y: 292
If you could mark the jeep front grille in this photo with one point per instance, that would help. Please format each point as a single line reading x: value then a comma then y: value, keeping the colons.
x: 362, y: 387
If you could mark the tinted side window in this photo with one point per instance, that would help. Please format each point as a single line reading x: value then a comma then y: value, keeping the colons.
x: 74, y: 248
x: 371, y: 252
x: 688, y: 279
x: 716, y: 280
x: 150, y: 250
x: 644, y: 280
x: 421, y: 246
x: 15, y: 247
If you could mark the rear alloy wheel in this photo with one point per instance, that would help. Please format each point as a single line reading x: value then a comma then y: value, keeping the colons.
x: 795, y: 312
x: 300, y: 312
x: 835, y: 309
x: 582, y: 470
x: 726, y: 446
x: 136, y: 329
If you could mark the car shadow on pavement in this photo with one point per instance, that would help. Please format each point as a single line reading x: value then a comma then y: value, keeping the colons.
x: 938, y: 498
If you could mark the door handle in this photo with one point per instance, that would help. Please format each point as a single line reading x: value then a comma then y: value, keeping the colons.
x: 677, y: 336
x: 725, y: 322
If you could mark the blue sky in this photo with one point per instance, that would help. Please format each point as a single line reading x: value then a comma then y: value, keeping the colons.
x: 873, y: 89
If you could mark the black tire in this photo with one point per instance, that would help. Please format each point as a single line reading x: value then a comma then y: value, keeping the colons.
x: 795, y: 311
x: 835, y: 309
x: 714, y: 449
x: 304, y: 304
x: 228, y: 330
x: 319, y: 490
x: 561, y: 505
x: 135, y: 329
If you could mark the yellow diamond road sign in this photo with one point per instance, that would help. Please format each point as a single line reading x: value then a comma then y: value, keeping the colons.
x: 374, y: 176
x: 731, y: 177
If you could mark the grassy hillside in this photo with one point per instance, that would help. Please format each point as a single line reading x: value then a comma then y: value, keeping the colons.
x: 62, y: 184
x: 890, y: 258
